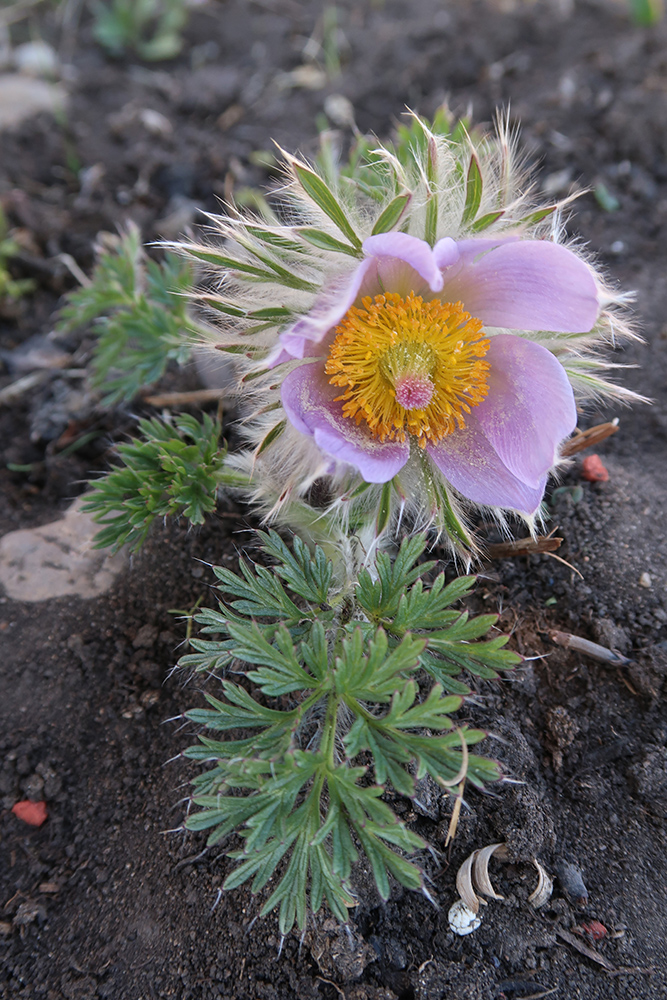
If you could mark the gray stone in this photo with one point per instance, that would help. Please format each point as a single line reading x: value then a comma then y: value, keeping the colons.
x: 57, y: 560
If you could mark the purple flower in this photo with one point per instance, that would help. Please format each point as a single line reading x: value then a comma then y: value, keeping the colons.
x: 411, y: 351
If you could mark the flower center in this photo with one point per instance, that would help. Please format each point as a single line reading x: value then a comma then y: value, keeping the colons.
x: 409, y: 366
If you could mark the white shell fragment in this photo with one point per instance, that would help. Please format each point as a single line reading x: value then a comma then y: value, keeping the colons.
x: 473, y: 877
x: 464, y: 886
x: 462, y: 920
x: 545, y: 887
x: 480, y: 871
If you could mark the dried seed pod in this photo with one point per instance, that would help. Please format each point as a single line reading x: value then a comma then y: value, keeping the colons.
x: 545, y: 886
x: 463, y: 920
x: 480, y: 871
x: 464, y: 884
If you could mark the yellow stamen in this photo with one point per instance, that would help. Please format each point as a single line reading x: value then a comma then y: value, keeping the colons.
x: 409, y: 366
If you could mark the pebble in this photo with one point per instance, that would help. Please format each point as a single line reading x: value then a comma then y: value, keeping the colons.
x: 36, y: 58
x: 462, y: 920
x: 58, y: 560
x: 572, y: 882
x: 22, y: 97
x: 645, y: 581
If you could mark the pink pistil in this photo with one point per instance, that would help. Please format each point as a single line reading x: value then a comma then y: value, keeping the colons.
x: 414, y: 392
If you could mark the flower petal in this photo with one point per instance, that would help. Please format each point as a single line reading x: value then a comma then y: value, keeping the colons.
x: 530, y: 407
x: 326, y: 313
x: 308, y: 400
x: 415, y: 252
x: 470, y: 463
x: 446, y: 252
x: 524, y: 285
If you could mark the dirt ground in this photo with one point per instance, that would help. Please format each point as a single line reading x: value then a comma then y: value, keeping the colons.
x: 105, y: 899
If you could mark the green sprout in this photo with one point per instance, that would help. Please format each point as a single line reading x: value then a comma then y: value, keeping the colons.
x: 138, y: 309
x: 646, y: 13
x: 10, y: 288
x: 173, y: 469
x: 151, y: 28
x: 346, y: 692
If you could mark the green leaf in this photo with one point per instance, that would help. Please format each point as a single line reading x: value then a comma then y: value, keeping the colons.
x: 474, y: 187
x: 138, y: 313
x: 273, y: 314
x: 241, y: 711
x: 323, y: 241
x: 283, y: 776
x: 485, y: 221
x: 276, y: 239
x: 456, y: 529
x: 535, y: 217
x: 392, y: 214
x: 432, y: 200
x: 309, y: 577
x: 605, y: 199
x: 284, y: 673
x: 323, y: 197
x: 646, y: 13
x: 384, y: 509
x: 271, y: 275
x: 222, y: 305
x: 173, y: 469
x: 380, y: 598
x: 272, y: 436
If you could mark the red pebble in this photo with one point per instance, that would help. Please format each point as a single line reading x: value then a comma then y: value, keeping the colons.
x: 34, y: 813
x: 596, y: 930
x: 593, y: 471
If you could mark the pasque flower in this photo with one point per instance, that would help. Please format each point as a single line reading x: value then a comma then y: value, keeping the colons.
x: 411, y: 337
x: 407, y: 353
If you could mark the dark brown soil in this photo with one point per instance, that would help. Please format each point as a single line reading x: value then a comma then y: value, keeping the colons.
x: 104, y: 901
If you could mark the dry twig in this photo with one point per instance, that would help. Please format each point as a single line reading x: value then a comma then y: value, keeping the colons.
x: 177, y: 399
x: 588, y: 648
x: 589, y: 438
x: 524, y: 547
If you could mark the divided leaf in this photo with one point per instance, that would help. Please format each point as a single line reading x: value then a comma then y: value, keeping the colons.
x: 349, y: 674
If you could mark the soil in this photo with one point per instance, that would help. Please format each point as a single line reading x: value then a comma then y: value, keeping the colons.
x: 109, y: 898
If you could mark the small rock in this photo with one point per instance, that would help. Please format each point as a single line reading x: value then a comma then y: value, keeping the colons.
x: 145, y: 637
x: 611, y: 635
x: 22, y: 97
x: 306, y: 77
x: 340, y: 110
x: 339, y: 951
x: 572, y: 882
x: 645, y: 581
x: 649, y: 778
x: 28, y: 912
x: 462, y: 920
x: 52, y: 782
x: 595, y: 929
x: 57, y: 560
x: 561, y: 732
x: 155, y: 122
x: 32, y: 813
x: 33, y: 788
x: 36, y: 58
x: 593, y: 470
